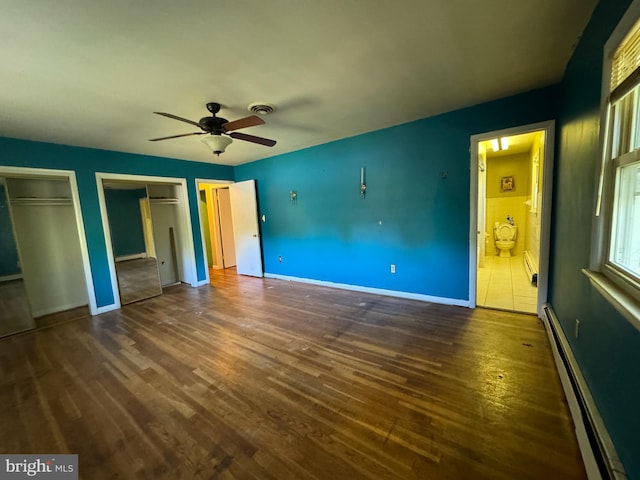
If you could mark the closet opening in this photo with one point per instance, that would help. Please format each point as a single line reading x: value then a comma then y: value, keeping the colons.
x: 147, y: 232
x: 44, y: 273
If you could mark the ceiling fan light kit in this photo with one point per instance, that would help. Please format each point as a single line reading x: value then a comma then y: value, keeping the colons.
x: 220, y: 129
x: 216, y: 143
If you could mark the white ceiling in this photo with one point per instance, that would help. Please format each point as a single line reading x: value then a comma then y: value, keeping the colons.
x: 90, y: 73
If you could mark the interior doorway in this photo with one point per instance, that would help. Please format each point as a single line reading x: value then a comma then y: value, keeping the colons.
x: 510, y: 216
x: 217, y: 225
x: 229, y: 226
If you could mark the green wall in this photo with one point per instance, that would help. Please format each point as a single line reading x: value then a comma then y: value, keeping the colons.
x: 608, y: 347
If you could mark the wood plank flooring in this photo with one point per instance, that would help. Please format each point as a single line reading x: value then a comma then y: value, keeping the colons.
x: 138, y: 279
x: 15, y: 313
x: 267, y: 379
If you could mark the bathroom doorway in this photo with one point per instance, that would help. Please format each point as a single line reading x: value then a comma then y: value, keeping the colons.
x: 511, y: 198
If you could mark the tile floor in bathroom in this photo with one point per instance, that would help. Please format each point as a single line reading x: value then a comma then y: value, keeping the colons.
x: 503, y: 283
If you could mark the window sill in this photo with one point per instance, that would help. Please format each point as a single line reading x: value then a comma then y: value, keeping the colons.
x: 622, y: 301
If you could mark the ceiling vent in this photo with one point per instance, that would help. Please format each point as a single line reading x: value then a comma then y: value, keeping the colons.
x: 262, y: 108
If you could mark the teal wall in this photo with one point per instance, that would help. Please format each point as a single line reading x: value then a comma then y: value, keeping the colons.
x: 86, y: 162
x: 9, y: 260
x: 415, y: 214
x: 125, y: 221
x: 608, y: 347
x: 416, y: 211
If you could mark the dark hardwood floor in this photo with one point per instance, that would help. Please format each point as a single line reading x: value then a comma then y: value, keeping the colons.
x: 267, y: 379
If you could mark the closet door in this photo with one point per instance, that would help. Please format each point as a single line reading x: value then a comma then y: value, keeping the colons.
x: 15, y: 313
x: 132, y: 241
x: 47, y: 237
x: 164, y: 213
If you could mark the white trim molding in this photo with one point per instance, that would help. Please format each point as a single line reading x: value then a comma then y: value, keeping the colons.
x: 377, y: 291
x: 70, y: 175
x: 198, y: 182
x: 598, y: 452
x: 626, y: 304
x: 545, y: 209
x: 186, y: 230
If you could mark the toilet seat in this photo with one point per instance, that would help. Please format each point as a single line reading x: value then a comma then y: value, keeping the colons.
x: 505, y: 232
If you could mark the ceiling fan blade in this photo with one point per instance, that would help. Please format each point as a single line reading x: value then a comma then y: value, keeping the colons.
x: 175, y: 117
x: 176, y: 136
x: 252, y: 138
x: 250, y: 121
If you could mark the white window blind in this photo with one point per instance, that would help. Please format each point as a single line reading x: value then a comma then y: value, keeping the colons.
x: 626, y: 58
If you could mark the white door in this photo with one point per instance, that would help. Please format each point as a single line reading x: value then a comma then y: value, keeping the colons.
x: 166, y: 240
x: 226, y: 229
x: 244, y: 214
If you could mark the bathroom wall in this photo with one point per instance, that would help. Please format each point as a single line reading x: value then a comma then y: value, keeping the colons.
x: 500, y: 204
x: 534, y: 216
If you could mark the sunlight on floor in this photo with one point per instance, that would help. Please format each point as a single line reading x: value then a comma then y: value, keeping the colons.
x: 503, y: 283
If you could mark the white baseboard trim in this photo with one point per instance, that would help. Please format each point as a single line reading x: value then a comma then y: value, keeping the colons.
x: 9, y: 278
x: 598, y: 452
x: 200, y: 283
x: 107, y: 308
x: 56, y: 309
x: 378, y: 291
x: 134, y: 256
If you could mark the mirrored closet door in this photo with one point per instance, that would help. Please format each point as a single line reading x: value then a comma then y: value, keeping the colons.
x: 40, y: 218
x: 132, y: 241
x: 15, y: 312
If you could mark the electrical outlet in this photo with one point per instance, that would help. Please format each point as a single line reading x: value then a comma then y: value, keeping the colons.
x: 576, y: 329
x: 393, y: 268
x: 280, y: 258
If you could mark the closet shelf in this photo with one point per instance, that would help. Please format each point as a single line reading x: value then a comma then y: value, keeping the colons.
x: 41, y: 201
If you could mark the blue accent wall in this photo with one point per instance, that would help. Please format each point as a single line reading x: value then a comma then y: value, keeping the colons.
x: 415, y: 214
x: 608, y: 347
x: 416, y: 211
x: 9, y: 260
x: 125, y: 220
x: 86, y: 162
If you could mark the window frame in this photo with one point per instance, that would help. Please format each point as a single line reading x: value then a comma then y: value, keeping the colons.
x: 618, y: 286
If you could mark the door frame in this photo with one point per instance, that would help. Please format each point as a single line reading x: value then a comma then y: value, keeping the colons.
x: 70, y: 175
x: 187, y: 251
x: 206, y: 181
x: 545, y: 208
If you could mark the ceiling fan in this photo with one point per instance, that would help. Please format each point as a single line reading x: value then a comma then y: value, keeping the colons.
x: 219, y: 129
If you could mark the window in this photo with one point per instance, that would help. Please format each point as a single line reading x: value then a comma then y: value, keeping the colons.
x: 624, y: 238
x: 617, y: 246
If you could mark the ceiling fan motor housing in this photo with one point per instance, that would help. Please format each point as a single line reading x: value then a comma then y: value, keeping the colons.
x: 213, y: 124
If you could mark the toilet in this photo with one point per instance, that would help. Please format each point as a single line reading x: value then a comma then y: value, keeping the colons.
x: 505, y: 237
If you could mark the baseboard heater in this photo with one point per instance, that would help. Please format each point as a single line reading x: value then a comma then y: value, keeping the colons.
x: 598, y: 452
x: 531, y: 267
